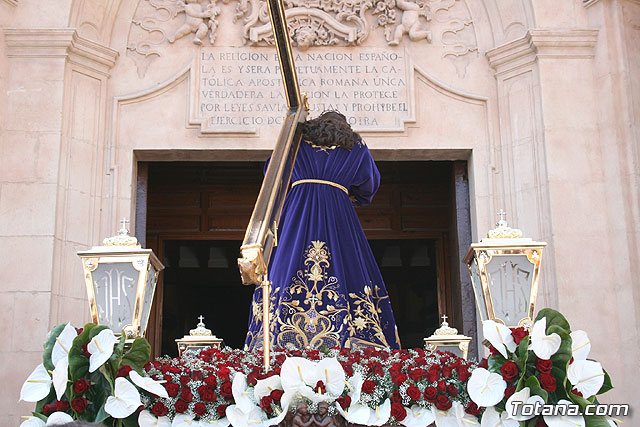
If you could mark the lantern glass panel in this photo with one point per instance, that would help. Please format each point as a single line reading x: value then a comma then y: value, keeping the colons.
x: 149, y: 289
x: 115, y: 287
x: 477, y: 290
x: 510, y: 279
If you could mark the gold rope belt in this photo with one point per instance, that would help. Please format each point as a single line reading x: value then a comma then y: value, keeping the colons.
x: 320, y: 181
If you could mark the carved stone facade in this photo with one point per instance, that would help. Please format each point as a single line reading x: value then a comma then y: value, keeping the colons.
x: 541, y: 99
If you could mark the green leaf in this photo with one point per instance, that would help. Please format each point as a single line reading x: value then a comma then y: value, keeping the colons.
x: 131, y: 420
x: 101, y: 416
x: 137, y: 355
x: 116, y: 356
x: 560, y: 362
x: 607, y: 384
x: 534, y: 386
x: 596, y: 421
x: 48, y: 346
x: 554, y: 318
x: 78, y: 362
x: 495, y: 362
x: 40, y: 416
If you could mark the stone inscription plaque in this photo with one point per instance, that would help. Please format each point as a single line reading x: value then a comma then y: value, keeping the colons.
x: 240, y: 89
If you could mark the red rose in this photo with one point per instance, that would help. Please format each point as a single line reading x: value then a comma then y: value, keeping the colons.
x: 320, y: 388
x: 81, y: 385
x: 519, y: 334
x: 224, y: 372
x: 184, y: 380
x: 221, y: 410
x: 414, y: 393
x: 416, y: 374
x: 446, y: 371
x: 85, y: 350
x: 472, y: 408
x: 62, y: 405
x: 399, y: 379
x: 509, y: 371
x: 265, y: 404
x: 196, y: 375
x: 123, y: 371
x: 344, y: 401
x: 276, y: 395
x: 544, y: 366
x: 211, y: 381
x: 207, y: 393
x: 225, y: 389
x: 368, y: 386
x: 186, y: 395
x: 494, y: 351
x: 443, y: 403
x: 452, y: 390
x: 576, y: 392
x: 395, y: 369
x: 484, y: 363
x: 79, y: 404
x: 395, y: 397
x: 398, y: 412
x: 181, y: 406
x: 172, y: 389
x: 199, y: 409
x: 159, y: 410
x: 79, y: 330
x: 548, y: 382
x: 463, y: 373
x: 442, y: 386
x: 252, y: 378
x: 509, y: 391
x: 540, y: 422
x: 430, y: 394
x: 50, y: 408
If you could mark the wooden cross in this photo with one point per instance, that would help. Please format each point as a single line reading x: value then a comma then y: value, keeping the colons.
x: 260, y: 237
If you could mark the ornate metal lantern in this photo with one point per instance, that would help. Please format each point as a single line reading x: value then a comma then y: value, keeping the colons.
x: 447, y: 338
x: 198, y: 339
x: 505, y: 269
x: 121, y: 280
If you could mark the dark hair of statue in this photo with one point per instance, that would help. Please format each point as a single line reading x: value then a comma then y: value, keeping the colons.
x: 330, y: 129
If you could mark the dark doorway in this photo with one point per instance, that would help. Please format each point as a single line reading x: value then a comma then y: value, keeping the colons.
x: 196, y: 217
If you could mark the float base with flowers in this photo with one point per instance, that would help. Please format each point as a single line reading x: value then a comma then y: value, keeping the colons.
x: 91, y: 375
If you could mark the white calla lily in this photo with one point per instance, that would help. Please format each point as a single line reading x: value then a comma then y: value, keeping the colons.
x: 266, y: 386
x: 331, y: 373
x: 544, y: 346
x: 356, y: 413
x: 101, y: 348
x: 354, y: 385
x: 59, y: 419
x: 564, y: 420
x: 525, y: 397
x: 184, y: 420
x: 454, y: 417
x: 486, y: 388
x: 417, y: 416
x: 37, y: 386
x: 241, y: 395
x: 61, y: 377
x: 148, y: 384
x: 499, y: 336
x: 380, y: 415
x: 125, y: 399
x: 63, y: 344
x: 147, y: 419
x: 587, y: 376
x: 491, y: 418
x: 580, y: 345
x: 222, y: 422
x: 237, y: 417
x: 31, y: 421
x: 293, y: 372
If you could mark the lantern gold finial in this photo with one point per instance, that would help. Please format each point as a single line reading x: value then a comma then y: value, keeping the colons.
x: 502, y: 230
x: 122, y: 238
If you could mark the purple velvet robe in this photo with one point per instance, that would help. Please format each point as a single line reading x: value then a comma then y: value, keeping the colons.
x: 327, y: 290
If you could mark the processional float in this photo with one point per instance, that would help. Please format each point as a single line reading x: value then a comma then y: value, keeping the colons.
x: 261, y: 236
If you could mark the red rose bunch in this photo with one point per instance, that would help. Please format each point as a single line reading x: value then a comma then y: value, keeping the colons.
x: 398, y: 412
